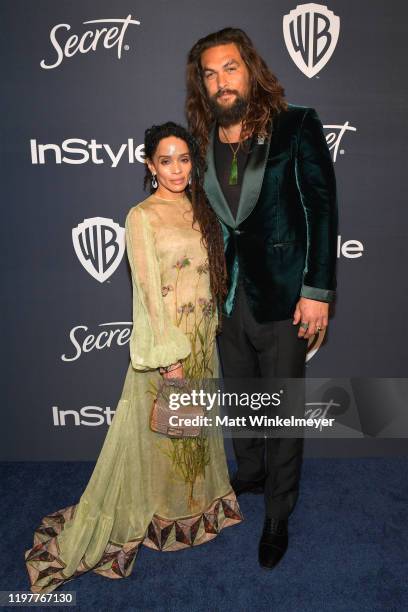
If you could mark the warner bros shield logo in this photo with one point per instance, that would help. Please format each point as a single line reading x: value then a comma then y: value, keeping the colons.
x: 99, y: 244
x: 311, y: 33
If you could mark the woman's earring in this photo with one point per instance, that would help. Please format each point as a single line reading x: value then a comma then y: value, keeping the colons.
x: 190, y: 180
x: 154, y: 181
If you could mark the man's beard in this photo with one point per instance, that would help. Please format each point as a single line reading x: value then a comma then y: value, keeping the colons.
x: 228, y: 115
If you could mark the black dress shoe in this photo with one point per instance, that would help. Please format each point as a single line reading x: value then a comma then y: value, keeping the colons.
x: 273, y: 542
x: 247, y: 486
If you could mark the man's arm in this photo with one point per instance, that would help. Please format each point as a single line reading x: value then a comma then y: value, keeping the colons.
x: 316, y: 183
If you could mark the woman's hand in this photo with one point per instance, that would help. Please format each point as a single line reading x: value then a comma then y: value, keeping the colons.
x: 173, y: 371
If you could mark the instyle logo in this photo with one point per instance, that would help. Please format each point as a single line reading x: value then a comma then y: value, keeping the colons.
x: 81, y: 151
x: 311, y: 33
x: 113, y: 333
x: 77, y: 151
x: 108, y: 37
x: 100, y: 245
x: 89, y: 416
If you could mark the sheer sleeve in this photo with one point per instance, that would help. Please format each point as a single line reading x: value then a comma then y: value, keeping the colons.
x: 155, y: 340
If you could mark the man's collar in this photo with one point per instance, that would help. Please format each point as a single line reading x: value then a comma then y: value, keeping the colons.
x: 251, y: 183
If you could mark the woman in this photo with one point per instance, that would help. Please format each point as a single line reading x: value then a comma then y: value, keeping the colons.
x: 147, y: 488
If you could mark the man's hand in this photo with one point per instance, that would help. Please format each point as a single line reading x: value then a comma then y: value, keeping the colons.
x: 313, y: 313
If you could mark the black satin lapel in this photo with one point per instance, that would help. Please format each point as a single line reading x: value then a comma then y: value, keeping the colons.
x: 252, y: 179
x: 213, y: 188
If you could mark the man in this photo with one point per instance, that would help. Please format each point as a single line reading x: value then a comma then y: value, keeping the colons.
x: 270, y: 180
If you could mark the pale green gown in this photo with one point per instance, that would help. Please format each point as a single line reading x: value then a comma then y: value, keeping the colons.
x: 147, y: 488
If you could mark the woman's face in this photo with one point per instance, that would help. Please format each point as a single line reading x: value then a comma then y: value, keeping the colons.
x: 171, y: 163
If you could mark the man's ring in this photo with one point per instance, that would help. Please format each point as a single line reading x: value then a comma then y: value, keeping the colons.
x: 304, y: 325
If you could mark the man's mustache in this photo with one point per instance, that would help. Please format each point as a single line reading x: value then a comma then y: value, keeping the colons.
x: 225, y: 91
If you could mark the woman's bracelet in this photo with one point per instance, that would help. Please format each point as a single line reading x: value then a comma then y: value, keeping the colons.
x: 170, y: 368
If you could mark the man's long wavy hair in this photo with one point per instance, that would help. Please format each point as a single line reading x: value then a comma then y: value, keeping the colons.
x: 203, y: 214
x: 266, y: 96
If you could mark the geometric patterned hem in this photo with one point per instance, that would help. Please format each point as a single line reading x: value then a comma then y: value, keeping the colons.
x: 169, y: 535
x: 46, y: 567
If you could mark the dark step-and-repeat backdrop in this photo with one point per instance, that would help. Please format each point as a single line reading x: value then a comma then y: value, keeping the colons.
x: 81, y: 81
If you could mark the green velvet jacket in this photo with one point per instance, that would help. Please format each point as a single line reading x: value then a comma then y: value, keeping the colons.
x: 283, y: 241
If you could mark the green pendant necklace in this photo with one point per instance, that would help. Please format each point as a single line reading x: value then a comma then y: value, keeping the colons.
x: 233, y: 177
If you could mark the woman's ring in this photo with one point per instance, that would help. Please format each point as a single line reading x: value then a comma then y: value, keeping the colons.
x: 304, y: 325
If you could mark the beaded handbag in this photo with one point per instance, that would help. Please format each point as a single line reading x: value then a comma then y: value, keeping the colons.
x: 161, y: 413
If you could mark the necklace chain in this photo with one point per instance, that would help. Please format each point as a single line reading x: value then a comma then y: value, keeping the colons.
x: 233, y: 176
x: 232, y: 148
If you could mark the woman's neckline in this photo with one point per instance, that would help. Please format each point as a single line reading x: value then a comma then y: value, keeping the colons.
x: 180, y: 199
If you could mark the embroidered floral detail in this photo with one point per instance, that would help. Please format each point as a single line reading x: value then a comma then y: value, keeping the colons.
x: 182, y: 263
x: 165, y: 290
x: 207, y: 306
x: 186, y: 308
x: 197, y: 319
x: 203, y: 268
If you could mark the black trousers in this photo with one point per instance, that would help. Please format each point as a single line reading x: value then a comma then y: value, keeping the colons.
x: 267, y: 350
